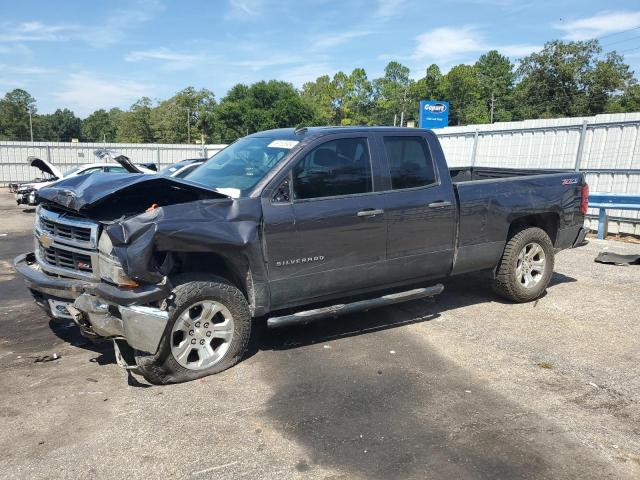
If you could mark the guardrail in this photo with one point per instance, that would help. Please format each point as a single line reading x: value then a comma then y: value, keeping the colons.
x: 617, y: 201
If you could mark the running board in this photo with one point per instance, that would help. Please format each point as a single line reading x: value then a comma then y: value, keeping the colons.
x: 344, y: 308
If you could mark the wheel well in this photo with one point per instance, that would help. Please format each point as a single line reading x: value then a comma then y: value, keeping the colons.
x: 235, y: 271
x: 546, y: 221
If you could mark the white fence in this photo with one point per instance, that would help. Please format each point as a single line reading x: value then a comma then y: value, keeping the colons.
x: 64, y: 155
x: 605, y: 147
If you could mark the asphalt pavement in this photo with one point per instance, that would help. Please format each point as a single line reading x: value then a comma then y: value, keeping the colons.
x: 462, y: 386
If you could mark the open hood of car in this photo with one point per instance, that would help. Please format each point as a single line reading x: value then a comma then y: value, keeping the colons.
x: 106, y: 155
x: 44, y: 166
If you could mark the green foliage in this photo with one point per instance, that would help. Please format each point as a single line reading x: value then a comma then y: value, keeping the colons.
x: 185, y: 116
x: 14, y: 115
x: 563, y: 79
x: 60, y: 126
x: 134, y: 126
x: 100, y: 126
x: 568, y: 79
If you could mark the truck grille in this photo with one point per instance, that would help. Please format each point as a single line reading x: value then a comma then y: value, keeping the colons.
x: 59, y: 257
x: 68, y: 232
x: 66, y: 244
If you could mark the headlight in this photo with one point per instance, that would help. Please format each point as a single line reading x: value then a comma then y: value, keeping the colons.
x: 109, y: 266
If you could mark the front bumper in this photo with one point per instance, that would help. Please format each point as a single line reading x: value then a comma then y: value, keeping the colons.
x: 26, y: 198
x: 101, y: 310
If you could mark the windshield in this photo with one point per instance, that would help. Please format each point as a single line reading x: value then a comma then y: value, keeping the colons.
x: 242, y: 164
x: 70, y: 171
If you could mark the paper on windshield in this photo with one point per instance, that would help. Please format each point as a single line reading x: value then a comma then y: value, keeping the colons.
x: 283, y: 144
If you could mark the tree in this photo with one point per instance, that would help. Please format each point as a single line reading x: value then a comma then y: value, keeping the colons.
x: 461, y: 87
x: 428, y: 87
x: 261, y: 106
x: 134, y: 126
x: 100, y: 126
x: 14, y: 115
x: 496, y: 78
x: 390, y: 93
x: 169, y: 119
x: 319, y: 97
x: 568, y: 79
x: 60, y: 126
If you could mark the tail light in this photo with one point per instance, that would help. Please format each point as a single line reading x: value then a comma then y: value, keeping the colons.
x: 584, y: 204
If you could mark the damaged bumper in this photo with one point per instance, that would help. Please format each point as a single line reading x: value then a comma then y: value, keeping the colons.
x: 142, y: 327
x: 101, y: 310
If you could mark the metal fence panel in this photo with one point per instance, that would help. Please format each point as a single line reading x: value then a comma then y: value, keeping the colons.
x: 64, y: 155
x: 605, y: 147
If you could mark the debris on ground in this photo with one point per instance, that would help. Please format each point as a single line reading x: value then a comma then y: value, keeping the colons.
x: 46, y: 358
x: 617, y: 259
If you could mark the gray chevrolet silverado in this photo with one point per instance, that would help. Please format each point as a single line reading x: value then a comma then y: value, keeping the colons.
x: 291, y: 226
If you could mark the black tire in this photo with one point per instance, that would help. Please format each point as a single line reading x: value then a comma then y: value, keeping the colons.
x: 506, y: 282
x: 162, y: 368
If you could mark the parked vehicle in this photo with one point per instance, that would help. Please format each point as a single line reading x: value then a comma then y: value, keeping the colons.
x: 293, y: 225
x: 183, y: 168
x: 26, y: 193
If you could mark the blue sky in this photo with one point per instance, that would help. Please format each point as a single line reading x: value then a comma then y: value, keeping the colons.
x: 86, y: 55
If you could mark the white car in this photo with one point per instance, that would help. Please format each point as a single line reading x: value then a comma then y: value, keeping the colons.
x: 26, y: 193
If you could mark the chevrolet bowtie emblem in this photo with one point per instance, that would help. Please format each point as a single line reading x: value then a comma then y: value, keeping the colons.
x: 45, y: 240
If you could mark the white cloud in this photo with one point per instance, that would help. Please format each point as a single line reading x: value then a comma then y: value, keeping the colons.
x: 450, y: 44
x: 36, y: 32
x: 244, y: 8
x: 84, y: 93
x: 335, y: 39
x: 305, y: 73
x: 600, y: 24
x: 388, y: 8
x: 103, y: 33
x: 266, y: 62
x: 171, y: 60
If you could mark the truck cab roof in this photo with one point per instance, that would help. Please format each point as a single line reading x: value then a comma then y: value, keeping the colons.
x: 301, y: 133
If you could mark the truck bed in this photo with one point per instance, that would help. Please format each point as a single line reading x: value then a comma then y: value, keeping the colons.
x: 490, y: 199
x: 472, y: 174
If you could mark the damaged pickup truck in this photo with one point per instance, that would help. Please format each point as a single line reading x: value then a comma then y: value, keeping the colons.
x: 288, y: 225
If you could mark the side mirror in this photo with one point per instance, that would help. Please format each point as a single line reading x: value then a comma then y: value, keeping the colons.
x: 283, y: 193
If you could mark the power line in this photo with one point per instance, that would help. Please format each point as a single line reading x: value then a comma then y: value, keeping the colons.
x: 619, y: 41
x: 617, y: 33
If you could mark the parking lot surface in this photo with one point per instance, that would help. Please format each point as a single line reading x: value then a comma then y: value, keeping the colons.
x: 462, y: 386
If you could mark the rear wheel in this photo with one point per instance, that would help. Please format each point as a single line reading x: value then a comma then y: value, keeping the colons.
x: 208, y: 331
x: 526, y: 266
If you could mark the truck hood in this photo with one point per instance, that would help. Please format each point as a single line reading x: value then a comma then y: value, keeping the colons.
x: 104, y: 196
x: 44, y: 166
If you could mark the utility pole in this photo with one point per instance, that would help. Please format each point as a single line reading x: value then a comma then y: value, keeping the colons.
x: 104, y: 138
x: 30, y: 125
x: 395, y: 117
x: 404, y: 99
x: 188, y: 126
x: 493, y: 99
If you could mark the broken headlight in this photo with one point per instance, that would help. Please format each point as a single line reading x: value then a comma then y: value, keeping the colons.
x: 109, y: 266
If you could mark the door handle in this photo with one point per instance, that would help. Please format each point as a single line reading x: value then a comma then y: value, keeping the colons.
x: 440, y: 204
x: 370, y: 212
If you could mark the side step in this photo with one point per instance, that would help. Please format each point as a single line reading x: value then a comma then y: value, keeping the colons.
x: 344, y: 308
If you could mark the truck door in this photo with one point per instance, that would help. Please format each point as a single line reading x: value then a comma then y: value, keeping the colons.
x: 329, y: 237
x: 419, y: 206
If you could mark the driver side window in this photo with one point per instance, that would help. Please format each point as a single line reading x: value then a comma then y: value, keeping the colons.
x: 337, y: 167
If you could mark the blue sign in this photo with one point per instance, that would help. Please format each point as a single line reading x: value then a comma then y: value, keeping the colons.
x: 434, y: 114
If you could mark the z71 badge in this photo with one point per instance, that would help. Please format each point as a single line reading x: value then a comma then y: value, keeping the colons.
x: 295, y: 261
x: 569, y: 181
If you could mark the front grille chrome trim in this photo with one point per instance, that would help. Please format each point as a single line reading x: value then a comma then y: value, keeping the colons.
x: 75, y: 225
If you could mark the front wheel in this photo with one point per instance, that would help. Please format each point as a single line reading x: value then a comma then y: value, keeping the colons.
x: 526, y: 266
x: 208, y: 331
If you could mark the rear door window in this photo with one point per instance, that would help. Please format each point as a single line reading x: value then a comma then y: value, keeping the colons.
x: 410, y: 162
x: 337, y: 167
